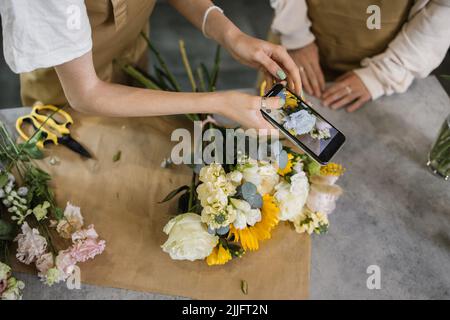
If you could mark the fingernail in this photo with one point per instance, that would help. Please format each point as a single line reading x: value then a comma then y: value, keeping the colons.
x: 281, y: 74
x: 282, y: 101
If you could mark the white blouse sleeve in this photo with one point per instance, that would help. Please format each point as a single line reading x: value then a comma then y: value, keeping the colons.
x: 44, y: 33
x: 291, y: 22
x: 416, y: 51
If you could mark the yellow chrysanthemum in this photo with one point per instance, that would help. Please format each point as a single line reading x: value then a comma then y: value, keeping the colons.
x: 249, y: 237
x: 332, y: 169
x: 288, y: 168
x: 219, y: 256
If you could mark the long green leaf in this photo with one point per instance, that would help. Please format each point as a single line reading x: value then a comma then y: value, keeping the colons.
x: 216, y: 69
x: 133, y: 72
x: 162, y: 63
x: 173, y: 193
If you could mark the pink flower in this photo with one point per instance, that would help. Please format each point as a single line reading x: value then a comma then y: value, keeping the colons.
x: 44, y: 263
x: 87, y: 249
x: 31, y: 245
x: 65, y: 263
x: 88, y: 233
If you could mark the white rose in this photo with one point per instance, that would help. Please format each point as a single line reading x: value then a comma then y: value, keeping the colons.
x: 188, y: 238
x: 292, y: 197
x: 245, y: 215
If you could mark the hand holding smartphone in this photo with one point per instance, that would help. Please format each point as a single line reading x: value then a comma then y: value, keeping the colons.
x: 304, y: 126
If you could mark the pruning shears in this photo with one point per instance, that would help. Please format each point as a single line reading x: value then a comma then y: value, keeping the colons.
x: 54, y: 125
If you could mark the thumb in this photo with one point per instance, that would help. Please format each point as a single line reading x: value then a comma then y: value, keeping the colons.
x: 275, y: 102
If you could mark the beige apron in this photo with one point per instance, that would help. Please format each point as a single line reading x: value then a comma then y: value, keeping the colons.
x: 116, y: 25
x: 342, y: 35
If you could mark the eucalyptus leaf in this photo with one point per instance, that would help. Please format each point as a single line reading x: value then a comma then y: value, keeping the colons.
x: 248, y: 189
x: 174, y: 193
x: 223, y: 230
x: 283, y: 159
x: 255, y: 201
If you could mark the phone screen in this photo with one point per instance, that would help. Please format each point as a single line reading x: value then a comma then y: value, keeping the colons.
x: 304, y: 126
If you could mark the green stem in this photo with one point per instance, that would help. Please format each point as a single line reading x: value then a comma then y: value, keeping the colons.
x: 191, y: 192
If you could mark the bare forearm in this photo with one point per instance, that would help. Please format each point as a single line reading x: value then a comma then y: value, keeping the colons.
x: 115, y: 100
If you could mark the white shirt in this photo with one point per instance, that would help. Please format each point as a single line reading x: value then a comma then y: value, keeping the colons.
x: 44, y: 33
x: 418, y: 49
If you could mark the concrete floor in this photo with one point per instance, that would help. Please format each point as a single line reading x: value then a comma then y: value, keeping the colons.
x: 252, y: 16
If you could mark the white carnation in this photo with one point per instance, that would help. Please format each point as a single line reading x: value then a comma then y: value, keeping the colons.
x: 292, y: 196
x: 245, y: 215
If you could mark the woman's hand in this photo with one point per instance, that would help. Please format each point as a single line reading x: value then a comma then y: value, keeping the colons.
x: 246, y: 109
x: 307, y: 60
x: 272, y: 59
x: 348, y: 90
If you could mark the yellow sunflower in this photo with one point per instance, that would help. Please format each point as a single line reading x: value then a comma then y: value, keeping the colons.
x: 288, y: 168
x: 249, y: 237
x: 219, y: 256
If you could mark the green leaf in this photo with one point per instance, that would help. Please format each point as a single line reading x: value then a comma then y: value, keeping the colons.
x: 35, y: 138
x: 3, y: 179
x: 6, y: 230
x: 216, y: 69
x: 59, y: 213
x: 32, y: 150
x: 244, y: 287
x: 183, y: 203
x: 117, y: 156
x: 174, y: 193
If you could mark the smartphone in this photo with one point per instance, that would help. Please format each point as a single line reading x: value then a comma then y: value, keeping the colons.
x: 304, y: 126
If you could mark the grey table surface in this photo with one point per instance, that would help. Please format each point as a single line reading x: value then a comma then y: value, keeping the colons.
x: 394, y: 214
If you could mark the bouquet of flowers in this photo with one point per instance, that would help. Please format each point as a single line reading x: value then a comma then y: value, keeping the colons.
x: 234, y: 208
x: 231, y: 208
x: 30, y: 217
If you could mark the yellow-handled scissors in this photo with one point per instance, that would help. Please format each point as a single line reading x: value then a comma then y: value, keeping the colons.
x: 54, y: 124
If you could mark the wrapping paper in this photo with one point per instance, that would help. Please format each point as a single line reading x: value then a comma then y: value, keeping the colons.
x: 121, y: 199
